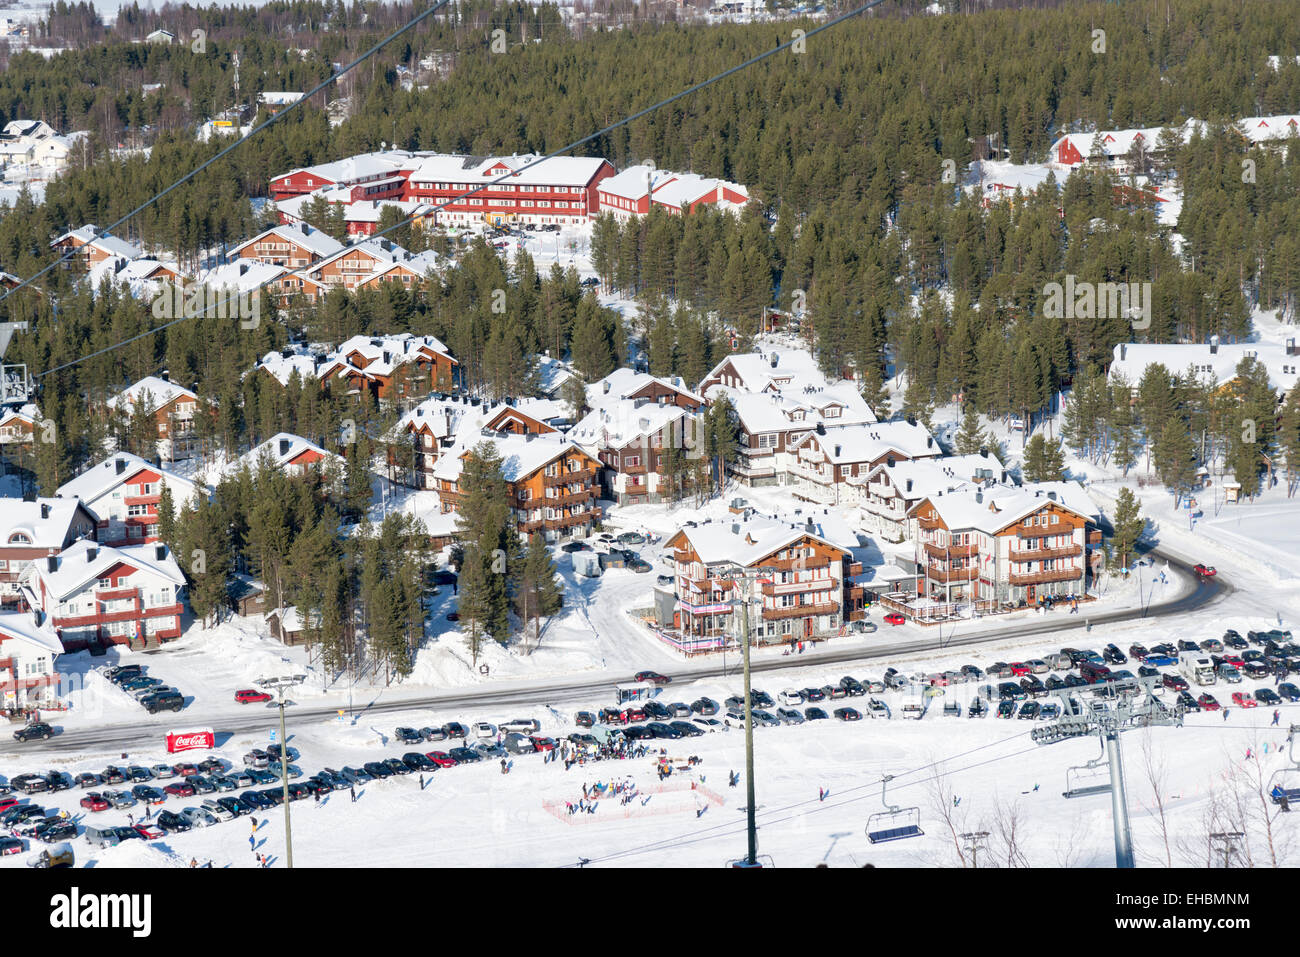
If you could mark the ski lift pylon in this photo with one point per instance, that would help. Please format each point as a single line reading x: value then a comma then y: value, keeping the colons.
x: 894, y: 823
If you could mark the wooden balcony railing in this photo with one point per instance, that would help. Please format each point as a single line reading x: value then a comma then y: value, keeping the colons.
x: 949, y: 575
x: 1037, y: 554
x: 945, y: 552
x: 801, y: 611
x: 1043, y: 578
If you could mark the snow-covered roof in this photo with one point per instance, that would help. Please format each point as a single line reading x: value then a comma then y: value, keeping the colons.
x: 85, y: 561
x: 686, y: 188
x: 356, y: 169
x: 46, y: 522
x: 994, y: 508
x: 385, y: 353
x: 369, y: 210
x: 382, y: 250
x: 521, y: 455
x: 1260, y: 129
x: 160, y: 392
x: 616, y: 424
x: 867, y: 441
x: 635, y: 181
x: 930, y: 476
x: 279, y: 97
x: 244, y: 275
x: 316, y: 241
x: 28, y: 414
x: 31, y: 628
x: 105, y: 476
x: 622, y: 382
x: 1131, y: 359
x: 746, y: 539
x: 280, y: 450
x: 1116, y: 143
x: 422, y: 264
x: 477, y: 170
x: 109, y: 244
x: 551, y: 375
x: 282, y: 366
x: 997, y: 176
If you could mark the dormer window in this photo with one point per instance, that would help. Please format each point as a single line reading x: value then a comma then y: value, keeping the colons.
x: 20, y: 538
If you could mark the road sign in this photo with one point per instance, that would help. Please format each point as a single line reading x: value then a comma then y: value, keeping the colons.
x: 273, y: 734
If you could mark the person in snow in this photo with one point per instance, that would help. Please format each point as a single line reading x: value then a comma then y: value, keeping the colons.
x: 353, y: 791
x: 1035, y: 787
x: 421, y: 782
x: 130, y: 819
x: 1225, y: 713
x: 1276, y: 715
x: 821, y: 794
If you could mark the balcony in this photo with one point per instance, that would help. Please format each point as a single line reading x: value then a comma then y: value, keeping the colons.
x: 1037, y: 554
x: 1043, y: 578
x: 945, y: 552
x: 1040, y: 531
x: 803, y: 564
x: 793, y: 588
x: 564, y: 478
x: 949, y: 575
x: 568, y: 498
x: 928, y: 524
x: 801, y: 611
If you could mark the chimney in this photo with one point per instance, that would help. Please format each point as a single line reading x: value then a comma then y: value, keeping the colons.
x: 929, y: 441
x: 284, y: 446
x: 45, y: 510
x: 979, y: 497
x: 984, y: 453
x: 909, y: 485
x: 91, y: 554
x: 1052, y: 496
x: 735, y: 528
x: 1214, y: 345
x: 1290, y: 348
x: 121, y: 465
x: 52, y: 563
x: 773, y: 360
x: 1123, y: 352
x: 911, y: 420
x: 160, y: 552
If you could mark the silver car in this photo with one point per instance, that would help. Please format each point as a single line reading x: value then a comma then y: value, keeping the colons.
x: 120, y: 799
x: 789, y: 716
x: 199, y: 817
x: 162, y: 771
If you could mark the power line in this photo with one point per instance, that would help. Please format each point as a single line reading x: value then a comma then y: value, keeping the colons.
x: 484, y: 186
x: 100, y: 233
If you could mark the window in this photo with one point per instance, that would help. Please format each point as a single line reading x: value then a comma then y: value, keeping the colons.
x: 1056, y: 519
x: 104, y: 583
x: 137, y: 510
x: 631, y: 461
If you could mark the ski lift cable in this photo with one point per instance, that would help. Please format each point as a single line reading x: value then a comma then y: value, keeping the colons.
x: 732, y: 829
x: 302, y: 270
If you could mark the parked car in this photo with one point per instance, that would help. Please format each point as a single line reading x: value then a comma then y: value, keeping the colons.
x: 789, y: 716
x: 1212, y: 645
x: 1244, y: 699
x: 1113, y: 656
x: 408, y: 735
x: 734, y: 718
x: 1207, y: 702
x: 1267, y: 696
x: 894, y: 618
x: 1028, y: 711
x: 584, y: 719
x: 180, y: 789
x: 526, y: 725
x: 1006, y: 709
x: 1176, y: 682
x: 708, y: 724
x: 172, y: 823
x: 790, y: 697
x: 517, y: 743
x: 95, y: 801
x: 852, y: 686
x: 1288, y: 691
x: 251, y: 696
x: 198, y: 817
x: 848, y: 714
x: 812, y: 714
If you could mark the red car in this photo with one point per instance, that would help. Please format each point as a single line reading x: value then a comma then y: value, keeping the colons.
x: 654, y: 677
x: 542, y: 743
x: 1244, y: 699
x: 95, y: 802
x: 149, y: 832
x: 894, y: 618
x: 7, y: 802
x: 1019, y: 669
x: 11, y: 845
x: 1208, y: 702
x: 633, y: 714
x: 1205, y: 571
x: 1234, y: 660
x: 612, y: 716
x: 180, y: 789
x: 442, y: 759
x: 185, y: 770
x: 249, y: 696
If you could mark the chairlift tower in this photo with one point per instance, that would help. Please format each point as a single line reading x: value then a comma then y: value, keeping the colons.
x: 1117, y: 710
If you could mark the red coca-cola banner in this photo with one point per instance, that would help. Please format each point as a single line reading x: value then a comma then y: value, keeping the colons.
x: 190, y: 740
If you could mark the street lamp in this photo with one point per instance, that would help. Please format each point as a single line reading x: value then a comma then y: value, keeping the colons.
x: 279, y: 686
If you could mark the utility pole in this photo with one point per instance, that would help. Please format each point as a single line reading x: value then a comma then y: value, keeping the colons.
x: 280, y: 685
x: 751, y: 828
x: 973, y: 845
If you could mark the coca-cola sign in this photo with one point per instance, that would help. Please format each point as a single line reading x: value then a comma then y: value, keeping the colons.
x: 190, y: 740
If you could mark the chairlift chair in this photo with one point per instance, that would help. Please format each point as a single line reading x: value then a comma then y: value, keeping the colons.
x: 894, y: 823
x: 1085, y: 781
x: 1284, y: 784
